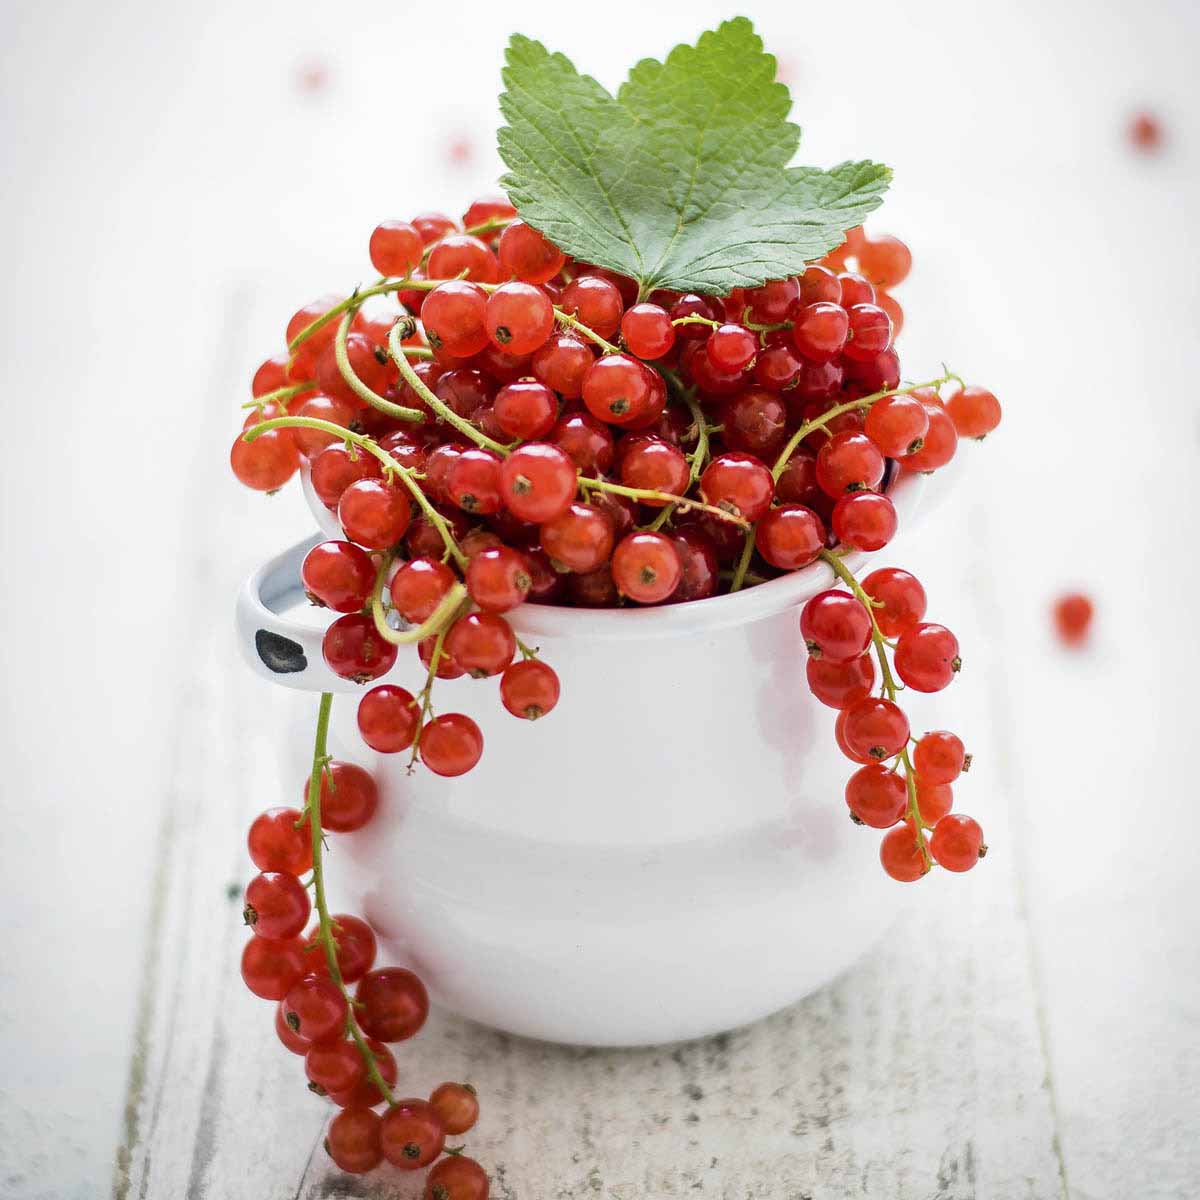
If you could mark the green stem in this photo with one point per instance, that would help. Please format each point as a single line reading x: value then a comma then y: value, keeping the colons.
x: 850, y: 406
x: 684, y: 503
x: 525, y: 650
x: 373, y: 448
x: 439, y: 618
x: 571, y: 322
x: 890, y: 688
x: 425, y: 697
x: 324, y: 921
x: 489, y: 226
x: 356, y: 385
x: 281, y: 395
x: 743, y: 563
x: 697, y: 319
x: 443, y: 410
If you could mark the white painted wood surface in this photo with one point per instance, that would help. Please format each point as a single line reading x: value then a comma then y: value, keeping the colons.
x: 1031, y: 1031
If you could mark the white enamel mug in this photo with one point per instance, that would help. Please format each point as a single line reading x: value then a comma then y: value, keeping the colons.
x: 666, y: 855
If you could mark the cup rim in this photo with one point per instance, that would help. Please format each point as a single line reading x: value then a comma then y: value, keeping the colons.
x: 694, y: 616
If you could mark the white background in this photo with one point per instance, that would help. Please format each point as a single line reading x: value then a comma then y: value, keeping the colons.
x: 160, y: 158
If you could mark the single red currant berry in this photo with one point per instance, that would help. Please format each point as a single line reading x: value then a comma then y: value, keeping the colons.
x: 739, y: 483
x: 1073, y: 617
x: 646, y: 567
x: 818, y: 285
x: 388, y: 719
x: 791, y: 536
x: 456, y: 1105
x: 473, y: 481
x: 334, y: 1066
x: 957, y: 842
x: 458, y: 253
x: 580, y: 539
x: 433, y: 226
x: 617, y: 389
x: 537, y: 482
x: 354, y: 943
x: 412, y: 1135
x: 647, y: 331
x: 338, y: 575
x: 349, y: 797
x: 451, y: 744
x: 367, y: 1093
x: 864, y: 521
x: 699, y: 568
x: 271, y: 966
x: 876, y: 729
x: 897, y: 425
x: 526, y: 409
x: 488, y: 211
x: 595, y: 301
x: 455, y: 318
x: 974, y: 411
x: 595, y: 589
x: 482, y: 643
x: 654, y: 465
x: 755, y: 421
x: 266, y: 463
x: 419, y: 587
x: 692, y: 305
x: 529, y: 689
x: 877, y: 796
x: 797, y: 482
x: 354, y: 1142
x: 941, y: 441
x: 374, y: 514
x: 395, y: 248
x: 856, y: 289
x: 940, y: 757
x: 456, y: 1177
x: 337, y: 467
x: 291, y: 1040
x: 278, y: 841
x: 772, y: 301
x: 563, y: 363
x: 835, y: 626
x: 310, y: 349
x: 527, y: 255
x: 447, y: 668
x: 354, y: 649
x: 519, y: 317
x: 499, y: 578
x: 316, y: 1009
x: 849, y: 462
x: 310, y: 442
x: 820, y: 331
x: 277, y: 905
x: 841, y: 685
x: 1145, y: 132
x: 885, y: 260
x: 270, y: 376
x: 777, y: 368
x: 588, y: 443
x: 839, y: 734
x: 934, y: 800
x: 901, y: 599
x: 391, y: 1004
x: 895, y: 312
x: 901, y: 855
x: 927, y: 657
x: 731, y: 347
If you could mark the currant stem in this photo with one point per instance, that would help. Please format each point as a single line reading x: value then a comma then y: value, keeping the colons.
x: 571, y: 322
x: 890, y: 688
x: 281, y: 395
x: 526, y: 653
x: 743, y: 563
x: 356, y: 385
x: 850, y: 406
x: 697, y: 319
x: 324, y: 922
x: 683, y: 503
x: 426, y: 694
x: 436, y: 621
x: 373, y: 448
x: 443, y: 410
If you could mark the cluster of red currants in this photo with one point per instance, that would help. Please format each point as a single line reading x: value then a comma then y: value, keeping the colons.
x: 343, y: 1039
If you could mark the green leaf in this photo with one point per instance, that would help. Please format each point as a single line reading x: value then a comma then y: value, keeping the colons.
x: 682, y: 180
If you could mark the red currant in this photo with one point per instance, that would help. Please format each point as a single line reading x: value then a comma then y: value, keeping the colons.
x: 456, y: 1105
x: 864, y: 521
x: 277, y: 905
x: 519, y: 317
x: 957, y: 842
x: 617, y: 389
x: 498, y: 578
x: 374, y: 514
x: 529, y: 689
x: 482, y: 643
x: 354, y: 1142
x: 939, y: 757
x: 354, y: 946
x: 897, y: 425
x: 579, y: 539
x: 418, y: 587
x: 771, y: 302
x: 457, y: 253
x: 355, y: 649
x: 841, y: 684
x: 537, y: 482
x: 432, y: 226
x: 266, y: 463
x: 739, y: 483
x: 526, y: 410
x: 818, y: 285
x: 877, y: 796
x: 595, y: 301
x: 270, y: 377
x: 902, y: 598
x: 974, y: 411
x: 455, y: 318
x: 338, y: 575
x: 278, y: 841
x: 335, y: 1066
x: 388, y: 718
x: 731, y: 347
x: 349, y: 797
x: 647, y: 331
x: 473, y: 481
x: 456, y: 1178
x: 316, y: 1009
x: 412, y: 1134
x: 927, y: 657
x: 563, y: 363
x: 934, y: 800
x: 451, y: 744
x: 699, y: 569
x: 835, y: 626
x: 654, y: 465
x: 885, y: 260
x: 527, y: 255
x: 271, y: 966
x: 1073, y: 617
x: 391, y: 1004
x: 337, y: 467
x: 941, y: 441
x: 646, y: 567
x: 901, y: 856
x: 855, y: 289
x: 849, y: 462
x: 876, y: 729
x: 820, y: 331
x: 790, y: 536
x: 755, y: 422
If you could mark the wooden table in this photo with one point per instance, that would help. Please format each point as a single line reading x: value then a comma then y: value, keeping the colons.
x: 1032, y: 1030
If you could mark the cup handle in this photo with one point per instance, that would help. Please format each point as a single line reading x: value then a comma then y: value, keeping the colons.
x: 278, y: 647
